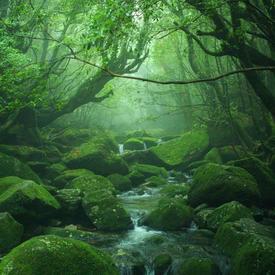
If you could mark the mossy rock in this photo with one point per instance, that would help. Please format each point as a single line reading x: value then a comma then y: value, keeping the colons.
x: 175, y: 190
x: 198, y: 266
x: 162, y: 263
x: 27, y: 200
x: 216, y: 184
x: 255, y: 257
x: 214, y: 156
x: 106, y: 212
x: 92, y: 183
x: 231, y: 153
x: 136, y: 178
x: 68, y: 175
x: 150, y: 142
x: 155, y: 181
x: 55, y: 170
x: 170, y: 215
x: 201, y: 217
x: 264, y: 177
x: 24, y: 153
x: 232, y: 235
x: 134, y: 144
x: 10, y: 232
x: 120, y: 182
x: 7, y: 182
x: 228, y: 212
x: 52, y: 255
x: 150, y: 170
x: 180, y: 152
x: 96, y: 158
x: 10, y: 166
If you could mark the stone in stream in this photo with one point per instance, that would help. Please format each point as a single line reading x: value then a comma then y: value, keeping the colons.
x: 216, y: 184
x: 120, y: 182
x: 46, y: 255
x: 134, y: 144
x: 162, y: 263
x: 10, y: 232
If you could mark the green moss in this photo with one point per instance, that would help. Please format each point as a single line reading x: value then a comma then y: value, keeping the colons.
x: 91, y: 183
x: 175, y: 190
x: 227, y: 212
x: 217, y: 184
x: 232, y: 235
x: 214, y: 156
x: 155, y: 181
x: 256, y: 256
x: 150, y: 141
x: 7, y: 182
x: 136, y: 178
x: 55, y: 170
x: 162, y: 263
x: 106, y: 212
x: 10, y: 166
x: 198, y: 266
x: 10, y: 232
x: 171, y: 214
x: 184, y: 150
x: 134, y: 144
x: 150, y: 170
x: 120, y: 182
x: 27, y: 200
x: 52, y: 255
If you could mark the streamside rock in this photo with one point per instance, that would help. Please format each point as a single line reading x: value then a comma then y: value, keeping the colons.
x: 120, y: 182
x: 170, y: 215
x: 55, y: 170
x: 150, y: 170
x: 264, y: 177
x: 175, y: 190
x: 26, y: 200
x: 10, y: 166
x: 96, y: 158
x: 10, y: 232
x: 47, y: 255
x: 216, y: 184
x: 134, y: 144
x: 162, y: 263
x: 106, y: 212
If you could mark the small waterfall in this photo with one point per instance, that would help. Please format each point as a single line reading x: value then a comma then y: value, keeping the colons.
x: 121, y: 148
x: 145, y: 146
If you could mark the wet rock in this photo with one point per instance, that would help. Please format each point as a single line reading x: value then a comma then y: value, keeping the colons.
x: 155, y: 181
x: 26, y: 200
x: 150, y: 170
x: 170, y: 215
x: 198, y: 266
x: 10, y: 232
x: 54, y: 255
x: 136, y: 178
x: 175, y: 190
x: 232, y: 235
x: 227, y: 212
x: 10, y: 166
x: 162, y: 263
x: 120, y: 182
x: 134, y: 144
x: 264, y: 177
x: 106, y: 212
x: 55, y: 170
x: 217, y: 184
x: 201, y: 217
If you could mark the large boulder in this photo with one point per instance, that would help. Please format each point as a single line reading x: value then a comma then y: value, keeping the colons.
x: 256, y: 256
x: 120, y: 182
x: 134, y: 144
x: 150, y: 170
x: 180, y: 152
x: 264, y: 177
x: 10, y: 232
x: 171, y: 214
x: 96, y: 158
x: 217, y: 184
x: 26, y: 200
x: 47, y: 255
x: 231, y: 236
x: 10, y: 166
x: 105, y: 211
x: 55, y: 170
x: 227, y: 212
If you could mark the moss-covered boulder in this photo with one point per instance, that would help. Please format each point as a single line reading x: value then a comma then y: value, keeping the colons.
x: 264, y: 177
x: 150, y: 170
x: 10, y: 166
x: 175, y: 190
x: 136, y: 178
x: 155, y: 181
x: 161, y: 263
x: 120, y: 182
x: 91, y: 183
x: 23, y: 153
x: 170, y: 215
x: 255, y: 257
x: 217, y: 184
x: 134, y: 144
x: 55, y: 170
x: 227, y: 212
x: 106, y: 212
x: 198, y: 266
x: 214, y: 156
x: 201, y: 217
x: 182, y: 151
x: 96, y: 158
x: 68, y: 175
x: 27, y: 201
x: 48, y: 255
x: 231, y: 236
x: 10, y: 232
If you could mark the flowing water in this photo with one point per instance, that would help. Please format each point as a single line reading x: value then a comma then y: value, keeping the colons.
x: 135, y: 250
